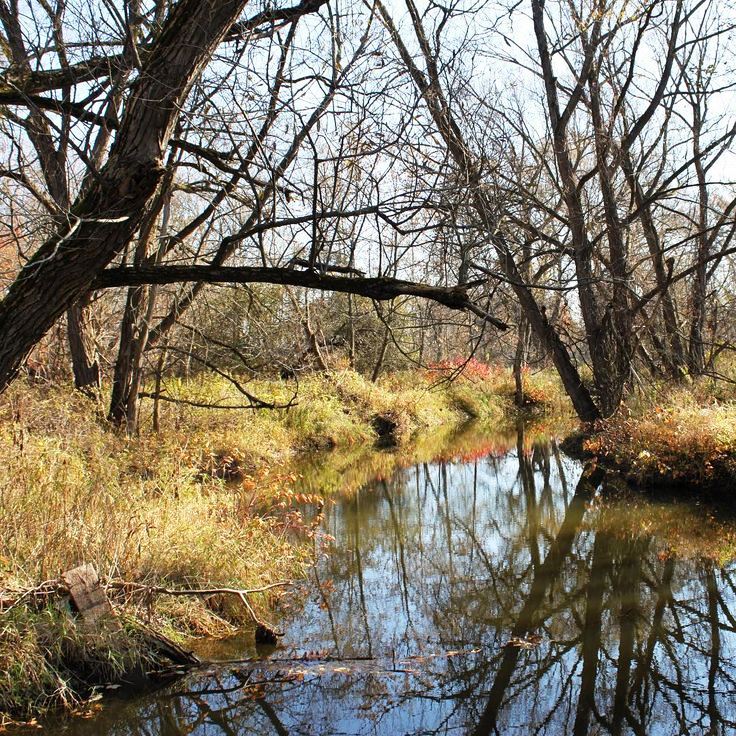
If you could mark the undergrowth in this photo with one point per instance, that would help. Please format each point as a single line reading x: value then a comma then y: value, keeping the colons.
x: 46, y: 660
x: 671, y: 435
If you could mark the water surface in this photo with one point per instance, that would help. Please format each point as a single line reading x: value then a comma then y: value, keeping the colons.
x: 486, y: 594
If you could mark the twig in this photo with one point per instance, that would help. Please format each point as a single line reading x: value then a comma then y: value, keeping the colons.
x: 124, y: 585
x: 14, y: 598
x: 241, y: 593
x: 306, y: 658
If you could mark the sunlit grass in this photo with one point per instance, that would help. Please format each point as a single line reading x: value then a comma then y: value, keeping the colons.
x: 672, y: 434
x: 209, y: 501
x: 73, y: 489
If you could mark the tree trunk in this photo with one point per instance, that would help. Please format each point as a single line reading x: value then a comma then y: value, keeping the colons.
x: 676, y: 360
x: 615, y: 334
x: 135, y: 325
x: 52, y: 158
x: 522, y: 344
x: 351, y: 331
x: 126, y: 378
x: 431, y: 90
x: 381, y: 356
x: 581, y: 399
x: 696, y: 352
x: 82, y: 349
x: 157, y: 390
x: 107, y: 214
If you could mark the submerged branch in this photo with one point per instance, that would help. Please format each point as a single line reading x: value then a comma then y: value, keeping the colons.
x: 264, y: 631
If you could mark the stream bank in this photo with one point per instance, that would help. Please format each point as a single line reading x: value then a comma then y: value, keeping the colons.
x: 214, y: 500
x: 222, y: 499
x: 491, y: 592
x: 679, y: 440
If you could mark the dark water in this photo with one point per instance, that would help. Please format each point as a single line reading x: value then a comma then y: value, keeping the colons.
x: 485, y: 595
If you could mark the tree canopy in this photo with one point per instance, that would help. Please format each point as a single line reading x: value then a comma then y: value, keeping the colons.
x: 556, y: 172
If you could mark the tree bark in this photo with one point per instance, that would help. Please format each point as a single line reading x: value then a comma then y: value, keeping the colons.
x: 85, y: 366
x: 381, y: 288
x: 136, y: 321
x: 676, y: 360
x: 696, y: 351
x: 107, y: 214
x: 522, y: 344
x: 616, y: 334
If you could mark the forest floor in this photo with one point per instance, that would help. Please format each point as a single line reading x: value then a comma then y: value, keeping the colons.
x: 212, y: 500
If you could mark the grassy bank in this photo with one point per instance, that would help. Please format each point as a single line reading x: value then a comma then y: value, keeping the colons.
x: 209, y: 501
x: 681, y: 437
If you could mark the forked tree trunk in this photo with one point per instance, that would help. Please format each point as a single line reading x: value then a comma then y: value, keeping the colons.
x: 136, y: 321
x: 614, y: 342
x: 107, y: 214
x: 128, y: 375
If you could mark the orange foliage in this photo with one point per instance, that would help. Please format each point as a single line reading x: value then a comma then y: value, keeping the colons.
x: 681, y: 443
x: 469, y: 368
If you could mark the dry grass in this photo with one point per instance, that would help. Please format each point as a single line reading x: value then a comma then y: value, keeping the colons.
x: 73, y: 490
x: 152, y: 508
x: 47, y: 661
x: 675, y: 435
x: 155, y: 508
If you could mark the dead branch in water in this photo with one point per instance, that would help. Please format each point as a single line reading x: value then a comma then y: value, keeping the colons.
x: 42, y: 593
x: 125, y: 585
x: 265, y: 633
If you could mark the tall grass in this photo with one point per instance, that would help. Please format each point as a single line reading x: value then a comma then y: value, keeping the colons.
x: 154, y: 507
x: 203, y: 503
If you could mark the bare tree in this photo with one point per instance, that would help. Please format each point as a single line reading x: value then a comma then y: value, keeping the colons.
x: 109, y: 210
x: 568, y: 176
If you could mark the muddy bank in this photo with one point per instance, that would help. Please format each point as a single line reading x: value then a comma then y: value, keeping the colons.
x: 675, y: 467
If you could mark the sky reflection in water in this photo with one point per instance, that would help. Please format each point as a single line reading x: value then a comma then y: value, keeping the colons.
x: 492, y: 595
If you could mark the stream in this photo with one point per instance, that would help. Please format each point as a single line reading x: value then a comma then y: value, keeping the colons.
x: 488, y: 593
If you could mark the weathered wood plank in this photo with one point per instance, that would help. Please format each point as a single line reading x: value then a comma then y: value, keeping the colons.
x: 87, y: 594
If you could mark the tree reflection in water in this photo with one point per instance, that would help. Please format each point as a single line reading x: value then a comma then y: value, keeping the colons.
x: 501, y: 595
